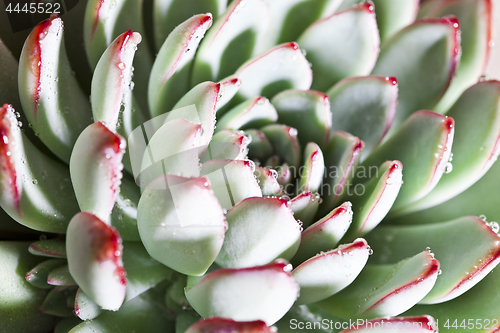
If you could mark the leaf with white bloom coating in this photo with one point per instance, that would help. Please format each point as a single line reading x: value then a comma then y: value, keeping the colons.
x: 85, y: 308
x: 304, y: 207
x: 329, y: 272
x: 111, y: 79
x: 385, y: 290
x: 394, y: 15
x: 324, y: 234
x: 424, y: 157
x: 231, y: 41
x: 314, y: 168
x: 476, y: 144
x: 227, y: 144
x: 95, y: 168
x: 253, y: 113
x: 379, y: 194
x: 35, y: 190
x: 369, y: 117
x: 124, y: 213
x: 342, y: 45
x: 94, y: 252
x: 37, y: 276
x: 433, y: 42
x: 308, y: 111
x: 55, y: 248
x: 169, y: 79
x: 284, y: 142
x: 52, y: 100
x: 268, y: 181
x: 184, y: 239
x: 60, y: 276
x: 260, y: 230
x: 246, y: 294
x: 214, y: 324
x: 260, y: 147
x: 466, y: 248
x: 59, y: 302
x: 231, y: 180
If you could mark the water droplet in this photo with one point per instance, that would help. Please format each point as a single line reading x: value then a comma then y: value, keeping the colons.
x: 20, y: 124
x: 482, y: 217
x: 389, y: 181
x: 274, y: 173
x: 448, y: 167
x: 440, y: 272
x: 288, y: 268
x: 34, y: 181
x: 428, y: 249
x: 120, y: 65
x: 494, y: 226
x: 370, y: 250
x: 117, y: 253
x: 43, y: 237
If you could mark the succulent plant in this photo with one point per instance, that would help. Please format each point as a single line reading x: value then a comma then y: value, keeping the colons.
x: 211, y: 166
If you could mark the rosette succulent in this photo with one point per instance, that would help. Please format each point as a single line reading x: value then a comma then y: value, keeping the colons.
x: 212, y: 166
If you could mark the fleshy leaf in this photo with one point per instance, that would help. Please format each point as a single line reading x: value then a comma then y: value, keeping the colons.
x: 466, y: 248
x: 268, y: 181
x: 336, y: 54
x: 112, y: 79
x: 260, y: 147
x: 260, y: 230
x: 284, y: 142
x: 254, y: 113
x: 95, y: 168
x: 167, y: 14
x: 124, y: 214
x: 373, y: 202
x: 433, y: 42
x: 36, y: 190
x: 424, y: 157
x: 170, y: 73
x: 325, y: 234
x: 55, y: 248
x: 60, y: 276
x: 342, y: 156
x: 476, y: 26
x: 283, y: 67
x: 314, y: 168
x: 52, y: 100
x: 95, y: 260
x: 420, y: 324
x: 228, y: 88
x: 304, y: 207
x: 85, y: 308
x: 308, y: 111
x: 476, y: 144
x: 9, y: 72
x: 59, y: 302
x: 185, y: 319
x: 226, y: 144
x: 184, y: 239
x: 213, y: 324
x: 231, y: 41
x: 368, y: 118
x: 329, y: 272
x: 38, y: 275
x: 231, y: 181
x: 394, y: 15
x: 386, y: 290
x: 246, y: 294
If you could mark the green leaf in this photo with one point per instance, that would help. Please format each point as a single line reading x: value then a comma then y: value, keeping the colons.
x: 112, y: 79
x: 169, y: 79
x: 394, y: 15
x: 423, y: 58
x: 124, y: 213
x: 36, y: 190
x: 267, y: 179
x: 167, y: 15
x: 259, y: 231
x: 308, y: 111
x: 284, y: 142
x: 304, y: 207
x: 180, y: 237
x: 95, y: 168
x: 342, y: 156
x: 95, y: 260
x: 214, y: 324
x: 86, y: 308
x: 369, y: 117
x: 253, y: 113
x: 140, y: 315
x: 476, y: 144
x: 314, y: 168
x: 231, y: 41
x: 476, y: 26
x: 60, y: 276
x: 184, y: 320
x: 423, y: 145
x: 52, y: 100
x: 385, y: 290
x: 20, y: 300
x: 55, y: 248
x: 329, y: 272
x: 466, y: 248
x: 324, y: 235
x: 259, y: 148
x: 9, y: 72
x: 59, y: 302
x: 280, y: 68
x: 342, y: 45
x: 373, y: 202
x: 246, y: 294
x: 38, y: 275
x: 227, y: 144
x: 231, y: 180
